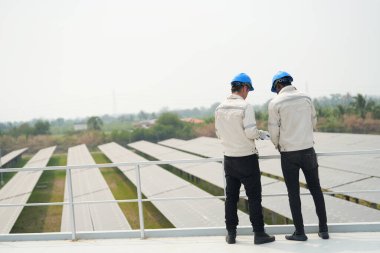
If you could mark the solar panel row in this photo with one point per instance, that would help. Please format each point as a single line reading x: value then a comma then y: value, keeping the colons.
x: 89, y: 185
x: 19, y: 189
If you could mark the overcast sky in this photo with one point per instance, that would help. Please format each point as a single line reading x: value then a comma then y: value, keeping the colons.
x: 81, y: 58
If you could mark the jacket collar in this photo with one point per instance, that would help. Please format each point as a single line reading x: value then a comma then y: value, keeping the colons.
x: 288, y: 88
x: 234, y: 96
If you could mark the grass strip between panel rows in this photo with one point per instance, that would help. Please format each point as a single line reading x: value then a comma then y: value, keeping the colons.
x: 49, y: 188
x: 123, y: 188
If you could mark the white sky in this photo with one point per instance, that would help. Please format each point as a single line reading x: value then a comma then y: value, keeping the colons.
x: 67, y: 58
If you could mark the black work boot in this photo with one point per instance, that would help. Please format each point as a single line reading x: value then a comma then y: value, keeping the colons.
x: 296, y: 236
x: 231, y: 237
x: 262, y: 237
x: 324, y: 235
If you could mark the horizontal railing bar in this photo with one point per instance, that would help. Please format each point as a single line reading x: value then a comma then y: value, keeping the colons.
x: 173, y: 198
x: 336, y: 153
x: 67, y: 203
x: 355, y: 152
x: 107, y: 165
x: 203, y: 160
x: 35, y: 204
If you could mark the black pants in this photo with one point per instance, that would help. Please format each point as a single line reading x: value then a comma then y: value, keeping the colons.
x: 291, y: 162
x: 243, y: 170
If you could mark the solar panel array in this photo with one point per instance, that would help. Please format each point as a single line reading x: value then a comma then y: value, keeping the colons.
x: 211, y: 172
x: 338, y: 173
x: 157, y: 182
x: 211, y: 147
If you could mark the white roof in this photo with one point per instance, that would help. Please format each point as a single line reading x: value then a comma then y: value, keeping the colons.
x: 339, y: 242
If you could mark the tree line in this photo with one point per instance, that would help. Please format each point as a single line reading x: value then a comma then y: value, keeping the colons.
x: 39, y: 127
x: 336, y: 113
x: 340, y: 113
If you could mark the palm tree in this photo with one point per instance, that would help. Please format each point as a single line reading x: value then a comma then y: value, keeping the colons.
x: 362, y: 105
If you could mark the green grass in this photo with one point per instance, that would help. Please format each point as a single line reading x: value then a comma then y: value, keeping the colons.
x: 17, y: 164
x: 123, y: 188
x: 49, y: 188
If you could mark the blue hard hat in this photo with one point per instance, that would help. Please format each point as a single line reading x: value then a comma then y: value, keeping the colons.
x: 242, y: 79
x: 281, y: 76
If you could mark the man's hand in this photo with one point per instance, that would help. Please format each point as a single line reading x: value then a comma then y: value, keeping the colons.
x: 264, y: 135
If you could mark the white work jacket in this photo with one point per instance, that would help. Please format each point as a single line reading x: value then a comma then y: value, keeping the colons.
x: 292, y: 119
x: 235, y: 126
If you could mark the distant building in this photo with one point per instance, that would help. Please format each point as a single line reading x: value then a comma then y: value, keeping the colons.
x: 193, y: 120
x: 145, y: 123
x: 80, y: 127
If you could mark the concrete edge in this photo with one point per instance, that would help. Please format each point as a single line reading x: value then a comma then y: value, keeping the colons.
x: 188, y: 232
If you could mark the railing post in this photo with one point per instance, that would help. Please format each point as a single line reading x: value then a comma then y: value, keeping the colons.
x: 71, y: 204
x: 224, y: 180
x: 139, y: 197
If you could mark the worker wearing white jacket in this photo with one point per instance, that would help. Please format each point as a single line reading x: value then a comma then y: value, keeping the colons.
x: 291, y: 121
x: 236, y: 127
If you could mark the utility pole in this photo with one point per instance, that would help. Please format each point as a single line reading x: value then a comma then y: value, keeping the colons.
x: 114, y: 106
x: 306, y: 88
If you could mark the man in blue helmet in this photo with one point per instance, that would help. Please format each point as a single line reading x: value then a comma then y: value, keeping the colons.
x: 236, y: 127
x: 292, y: 119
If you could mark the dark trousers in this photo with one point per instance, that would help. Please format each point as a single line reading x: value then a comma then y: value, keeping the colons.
x: 291, y: 162
x: 243, y: 170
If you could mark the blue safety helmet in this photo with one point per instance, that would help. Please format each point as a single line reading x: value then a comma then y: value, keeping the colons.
x: 242, y: 79
x: 280, y: 77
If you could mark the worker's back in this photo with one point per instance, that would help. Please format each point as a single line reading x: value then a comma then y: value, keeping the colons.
x: 237, y: 139
x: 292, y: 117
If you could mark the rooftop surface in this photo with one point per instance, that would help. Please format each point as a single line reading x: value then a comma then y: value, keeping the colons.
x: 339, y: 242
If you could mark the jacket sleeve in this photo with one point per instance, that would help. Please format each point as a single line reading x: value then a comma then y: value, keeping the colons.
x: 249, y: 123
x: 313, y: 116
x: 274, y: 124
x: 215, y: 124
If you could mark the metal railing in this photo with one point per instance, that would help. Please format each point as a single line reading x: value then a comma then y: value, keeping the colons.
x: 138, y: 165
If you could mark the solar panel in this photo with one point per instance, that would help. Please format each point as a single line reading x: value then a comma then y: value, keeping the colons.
x: 10, y: 156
